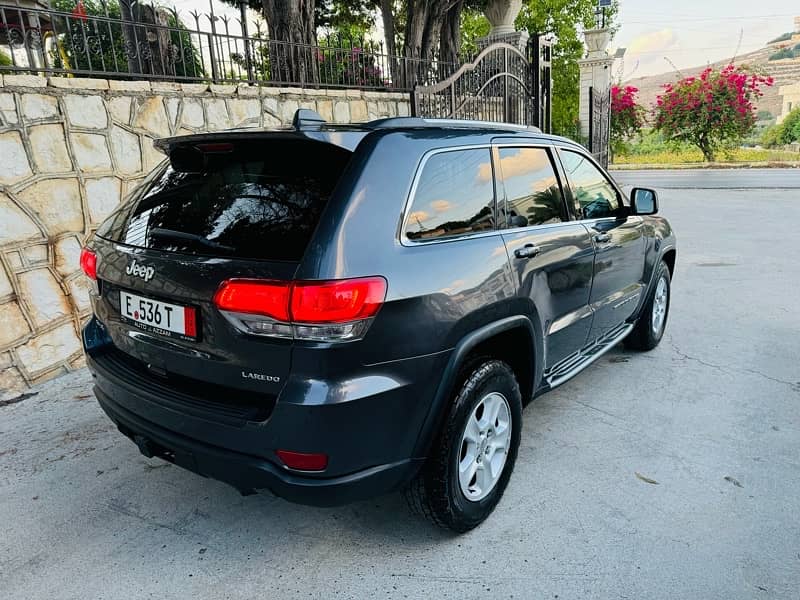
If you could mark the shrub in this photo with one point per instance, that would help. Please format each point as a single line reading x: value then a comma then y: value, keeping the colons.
x: 627, y: 116
x: 712, y: 111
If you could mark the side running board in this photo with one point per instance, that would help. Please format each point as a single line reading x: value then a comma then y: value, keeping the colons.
x: 568, y: 368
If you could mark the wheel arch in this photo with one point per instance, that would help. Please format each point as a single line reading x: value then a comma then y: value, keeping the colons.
x: 516, y: 340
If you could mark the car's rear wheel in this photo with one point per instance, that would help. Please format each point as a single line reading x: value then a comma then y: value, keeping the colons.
x: 472, y: 459
x: 650, y: 327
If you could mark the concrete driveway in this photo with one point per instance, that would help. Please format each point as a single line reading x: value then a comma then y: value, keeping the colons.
x: 710, y: 422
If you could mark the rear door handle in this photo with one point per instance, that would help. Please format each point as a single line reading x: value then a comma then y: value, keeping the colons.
x: 527, y: 251
x: 602, y: 238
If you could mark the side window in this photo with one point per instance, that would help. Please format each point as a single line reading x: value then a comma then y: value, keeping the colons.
x: 533, y: 196
x: 454, y: 196
x: 595, y: 197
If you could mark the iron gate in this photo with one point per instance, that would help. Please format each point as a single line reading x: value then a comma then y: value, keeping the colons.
x: 502, y: 84
x: 599, y: 124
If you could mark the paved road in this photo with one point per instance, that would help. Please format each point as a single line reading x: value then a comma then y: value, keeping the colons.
x: 711, y: 415
x: 771, y: 179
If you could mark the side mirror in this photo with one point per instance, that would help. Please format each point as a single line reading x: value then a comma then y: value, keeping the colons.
x: 644, y: 201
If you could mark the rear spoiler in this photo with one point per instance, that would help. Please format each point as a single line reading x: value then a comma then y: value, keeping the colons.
x: 306, y: 124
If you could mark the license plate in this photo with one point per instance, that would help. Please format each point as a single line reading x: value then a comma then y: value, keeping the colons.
x: 155, y: 316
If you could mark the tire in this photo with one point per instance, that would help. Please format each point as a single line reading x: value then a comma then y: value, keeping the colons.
x: 646, y: 335
x: 437, y: 492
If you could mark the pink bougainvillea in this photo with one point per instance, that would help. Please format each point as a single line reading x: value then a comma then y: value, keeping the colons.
x: 627, y: 116
x: 712, y: 110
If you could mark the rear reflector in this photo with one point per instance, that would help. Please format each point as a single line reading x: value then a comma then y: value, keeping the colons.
x: 302, y: 461
x: 89, y: 263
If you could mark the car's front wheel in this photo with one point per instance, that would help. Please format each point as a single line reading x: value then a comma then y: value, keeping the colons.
x: 652, y: 322
x: 472, y: 459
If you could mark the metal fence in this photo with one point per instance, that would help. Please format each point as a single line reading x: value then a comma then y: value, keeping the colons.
x: 133, y: 40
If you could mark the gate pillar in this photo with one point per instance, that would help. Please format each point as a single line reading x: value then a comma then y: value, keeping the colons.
x: 595, y: 74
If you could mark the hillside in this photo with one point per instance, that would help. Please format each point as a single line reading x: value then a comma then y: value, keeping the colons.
x: 784, y: 71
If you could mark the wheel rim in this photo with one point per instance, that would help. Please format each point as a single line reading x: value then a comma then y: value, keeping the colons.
x: 660, y: 302
x: 484, y: 447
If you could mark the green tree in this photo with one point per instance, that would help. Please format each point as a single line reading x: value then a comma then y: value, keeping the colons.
x: 787, y: 132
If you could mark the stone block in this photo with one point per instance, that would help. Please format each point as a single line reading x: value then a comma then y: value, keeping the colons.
x: 35, y: 255
x: 325, y: 109
x: 8, y: 109
x: 151, y: 155
x: 403, y: 109
x: 222, y: 89
x: 271, y: 107
x: 15, y: 159
x: 120, y: 109
x: 172, y: 104
x: 129, y: 86
x: 43, y: 295
x: 216, y: 114
x: 86, y: 111
x: 49, y: 148
x: 194, y: 88
x: 15, y: 225
x: 151, y: 117
x: 91, y: 152
x: 47, y: 350
x: 15, y: 327
x: 30, y: 81
x: 309, y: 104
x: 57, y: 204
x: 79, y: 294
x: 11, y: 383
x: 354, y: 93
x: 250, y: 91
x: 5, y: 360
x: 102, y: 197
x: 290, y: 91
x: 341, y: 111
x: 288, y: 109
x: 38, y: 106
x: 192, y: 115
x: 165, y: 87
x: 358, y: 111
x: 244, y: 111
x: 14, y: 260
x: 78, y: 83
x: 5, y: 285
x: 67, y: 255
x: 126, y: 151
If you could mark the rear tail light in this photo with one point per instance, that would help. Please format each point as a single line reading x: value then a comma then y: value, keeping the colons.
x: 89, y: 263
x: 339, y: 310
x: 303, y: 461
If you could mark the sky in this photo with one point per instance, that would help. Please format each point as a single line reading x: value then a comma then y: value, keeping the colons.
x: 691, y: 33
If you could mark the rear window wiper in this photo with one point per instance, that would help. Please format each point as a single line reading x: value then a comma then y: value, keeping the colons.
x: 190, y: 237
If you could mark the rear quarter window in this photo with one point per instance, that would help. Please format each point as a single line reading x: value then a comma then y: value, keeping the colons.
x: 453, y: 196
x: 252, y: 200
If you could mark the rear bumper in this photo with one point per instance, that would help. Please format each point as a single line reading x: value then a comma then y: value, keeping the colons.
x: 248, y: 473
x: 368, y: 425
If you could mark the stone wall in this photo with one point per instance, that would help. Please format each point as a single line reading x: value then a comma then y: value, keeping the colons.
x: 70, y: 149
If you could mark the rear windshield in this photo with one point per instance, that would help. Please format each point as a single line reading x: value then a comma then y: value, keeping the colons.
x: 254, y: 200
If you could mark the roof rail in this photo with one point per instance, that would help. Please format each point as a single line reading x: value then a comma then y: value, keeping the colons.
x: 403, y: 122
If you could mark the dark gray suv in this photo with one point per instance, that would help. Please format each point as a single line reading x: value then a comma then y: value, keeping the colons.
x: 334, y: 312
